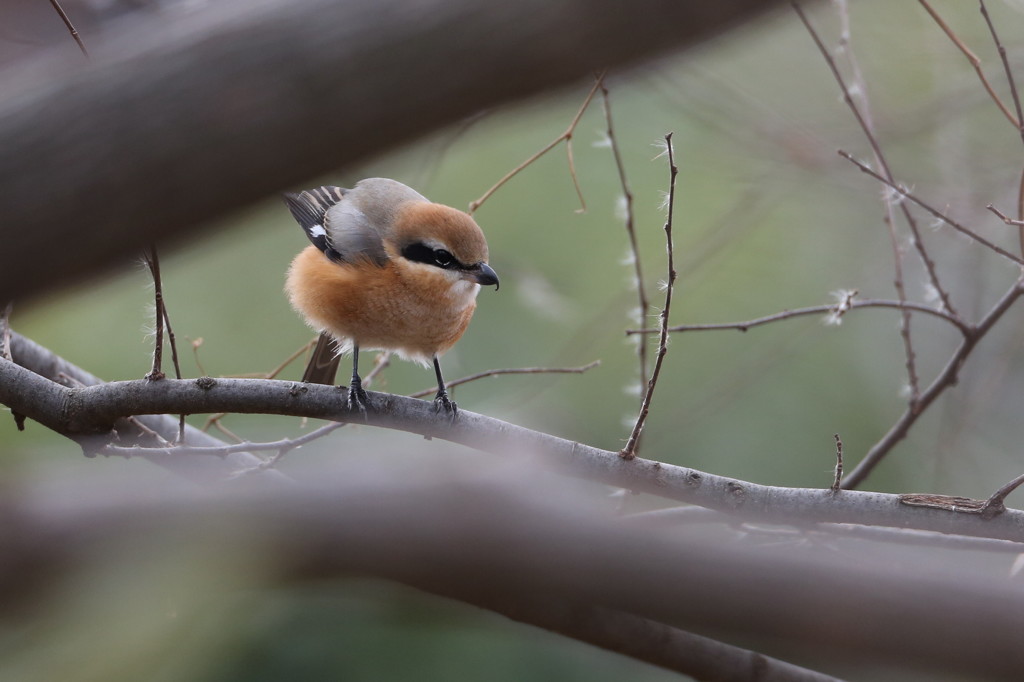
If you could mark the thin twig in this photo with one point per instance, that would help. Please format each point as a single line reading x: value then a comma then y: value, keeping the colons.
x: 196, y: 343
x: 904, y: 192
x: 5, y: 353
x: 1020, y: 212
x: 1006, y: 69
x: 514, y: 370
x: 566, y: 136
x: 176, y: 450
x: 5, y: 331
x: 162, y: 320
x: 156, y: 373
x: 911, y: 222
x: 690, y: 515
x: 838, y: 478
x: 830, y: 309
x: 214, y: 419
x: 876, y: 149
x: 1020, y: 115
x: 973, y: 59
x: 995, y: 506
x: 629, y: 452
x: 1005, y: 218
x: 70, y: 26
x: 946, y: 378
x: 630, y: 225
x: 281, y: 367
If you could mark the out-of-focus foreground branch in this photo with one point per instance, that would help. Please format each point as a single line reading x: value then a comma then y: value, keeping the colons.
x: 178, y: 120
x: 518, y: 537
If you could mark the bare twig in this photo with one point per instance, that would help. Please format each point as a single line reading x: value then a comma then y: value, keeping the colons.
x: 514, y: 370
x: 176, y: 450
x: 1020, y: 115
x: 627, y: 197
x: 629, y: 451
x: 163, y: 320
x: 1016, y: 222
x: 995, y: 506
x: 1006, y: 69
x: 566, y: 137
x: 876, y: 149
x: 70, y: 26
x: 1020, y: 212
x: 5, y: 331
x: 196, y: 343
x: 837, y: 480
x: 946, y: 378
x: 5, y: 353
x: 1018, y: 120
x: 813, y: 310
x: 156, y: 373
x: 272, y: 374
x: 904, y: 192
x: 973, y: 59
x: 679, y: 516
x: 215, y: 419
x: 1005, y: 218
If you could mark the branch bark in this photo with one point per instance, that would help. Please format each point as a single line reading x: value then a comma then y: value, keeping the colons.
x: 180, y: 120
x: 87, y: 414
x: 47, y: 390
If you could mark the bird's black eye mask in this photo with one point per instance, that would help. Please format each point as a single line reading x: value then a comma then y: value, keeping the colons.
x: 441, y: 258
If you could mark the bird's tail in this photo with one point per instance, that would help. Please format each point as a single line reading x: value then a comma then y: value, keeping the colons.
x: 323, y: 364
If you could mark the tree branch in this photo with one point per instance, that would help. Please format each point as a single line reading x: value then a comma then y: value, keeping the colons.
x: 43, y: 389
x: 186, y: 118
x: 480, y: 535
x: 85, y: 413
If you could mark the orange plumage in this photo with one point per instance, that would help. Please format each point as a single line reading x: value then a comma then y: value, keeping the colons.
x: 387, y: 270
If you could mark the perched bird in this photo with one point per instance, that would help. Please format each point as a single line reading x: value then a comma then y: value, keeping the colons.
x: 388, y: 270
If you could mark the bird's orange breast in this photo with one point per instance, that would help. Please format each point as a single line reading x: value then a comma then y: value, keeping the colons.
x: 413, y: 311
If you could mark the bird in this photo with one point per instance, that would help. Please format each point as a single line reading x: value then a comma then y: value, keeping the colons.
x: 387, y: 269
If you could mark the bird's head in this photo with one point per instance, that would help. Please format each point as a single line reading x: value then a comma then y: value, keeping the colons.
x: 440, y: 241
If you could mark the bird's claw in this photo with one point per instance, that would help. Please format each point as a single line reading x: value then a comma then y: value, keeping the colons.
x: 441, y: 400
x: 357, y: 399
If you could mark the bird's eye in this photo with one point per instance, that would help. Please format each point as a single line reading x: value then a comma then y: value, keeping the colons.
x: 443, y: 258
x: 419, y: 252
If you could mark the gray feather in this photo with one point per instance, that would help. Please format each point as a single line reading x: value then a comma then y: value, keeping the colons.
x: 359, y: 223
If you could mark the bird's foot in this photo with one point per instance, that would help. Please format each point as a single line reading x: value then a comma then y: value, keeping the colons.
x: 442, y: 401
x: 357, y: 399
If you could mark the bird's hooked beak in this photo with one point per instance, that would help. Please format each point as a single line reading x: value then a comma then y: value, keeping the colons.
x: 483, y: 274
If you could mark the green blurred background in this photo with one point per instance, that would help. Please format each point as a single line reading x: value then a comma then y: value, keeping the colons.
x: 768, y: 217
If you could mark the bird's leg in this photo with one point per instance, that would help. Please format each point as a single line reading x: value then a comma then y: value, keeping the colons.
x: 356, y: 395
x: 442, y: 399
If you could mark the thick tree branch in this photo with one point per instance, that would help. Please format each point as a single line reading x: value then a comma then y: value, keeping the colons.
x: 483, y: 535
x: 84, y: 413
x: 46, y: 389
x: 183, y: 119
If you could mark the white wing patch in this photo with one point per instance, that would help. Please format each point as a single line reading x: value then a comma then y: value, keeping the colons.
x: 317, y: 231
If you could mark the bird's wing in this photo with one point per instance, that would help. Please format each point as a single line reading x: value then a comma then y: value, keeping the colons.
x: 336, y: 226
